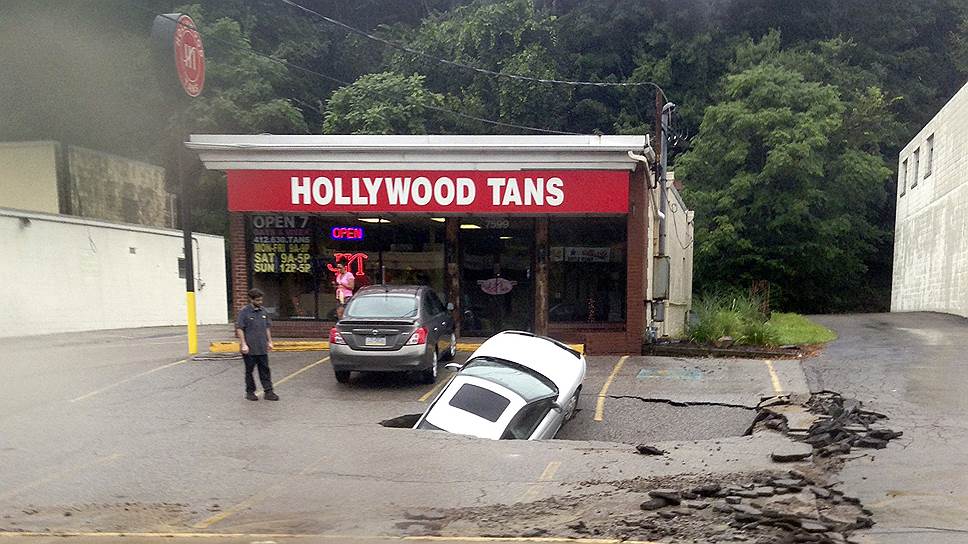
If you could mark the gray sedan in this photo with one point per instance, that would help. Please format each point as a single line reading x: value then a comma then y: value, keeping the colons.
x: 393, y: 328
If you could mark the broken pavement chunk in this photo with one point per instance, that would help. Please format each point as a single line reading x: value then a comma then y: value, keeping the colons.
x: 653, y: 504
x: 649, y: 450
x: 794, y: 451
x: 671, y: 496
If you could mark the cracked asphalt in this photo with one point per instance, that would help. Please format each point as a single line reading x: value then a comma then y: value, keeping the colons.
x: 912, y: 368
x: 112, y: 432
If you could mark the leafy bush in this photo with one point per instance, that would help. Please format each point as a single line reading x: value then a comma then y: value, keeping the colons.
x: 732, y: 314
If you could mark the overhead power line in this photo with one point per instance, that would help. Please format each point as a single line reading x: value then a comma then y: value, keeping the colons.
x: 327, y: 77
x: 463, y: 66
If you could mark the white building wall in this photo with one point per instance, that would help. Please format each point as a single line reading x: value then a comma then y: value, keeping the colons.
x: 68, y: 274
x: 679, y: 248
x: 931, y: 227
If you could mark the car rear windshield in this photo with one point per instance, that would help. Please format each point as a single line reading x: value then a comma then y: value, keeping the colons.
x: 382, y: 306
x: 520, y: 379
x: 480, y: 402
x: 428, y: 425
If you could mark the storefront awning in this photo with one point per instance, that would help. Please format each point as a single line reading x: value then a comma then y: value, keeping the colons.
x: 428, y: 152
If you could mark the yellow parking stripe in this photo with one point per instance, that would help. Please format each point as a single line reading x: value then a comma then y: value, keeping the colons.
x: 251, y: 501
x: 57, y: 475
x: 600, y: 406
x: 300, y: 371
x: 774, y: 377
x: 430, y: 394
x: 547, y: 475
x: 126, y: 380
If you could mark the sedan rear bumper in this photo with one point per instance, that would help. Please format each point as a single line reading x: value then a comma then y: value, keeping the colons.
x: 406, y: 358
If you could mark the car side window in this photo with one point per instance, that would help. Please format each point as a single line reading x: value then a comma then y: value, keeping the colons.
x: 527, y: 420
x: 442, y: 308
x: 432, y: 303
x: 427, y: 303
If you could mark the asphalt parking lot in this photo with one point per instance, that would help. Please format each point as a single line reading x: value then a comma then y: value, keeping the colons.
x: 116, y: 432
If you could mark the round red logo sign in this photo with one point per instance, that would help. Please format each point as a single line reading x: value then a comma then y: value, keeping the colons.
x: 189, y: 56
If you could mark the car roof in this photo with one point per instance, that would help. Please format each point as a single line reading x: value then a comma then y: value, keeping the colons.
x: 390, y: 290
x: 456, y: 420
x: 548, y: 357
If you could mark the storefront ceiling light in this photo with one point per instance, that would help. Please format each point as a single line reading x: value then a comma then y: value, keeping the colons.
x: 438, y: 219
x: 506, y: 237
x: 374, y: 220
x: 470, y: 226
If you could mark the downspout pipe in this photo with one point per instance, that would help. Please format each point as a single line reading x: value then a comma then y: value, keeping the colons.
x: 661, y: 168
x: 648, y: 160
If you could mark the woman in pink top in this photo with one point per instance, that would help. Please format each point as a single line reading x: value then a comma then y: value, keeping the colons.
x: 344, y: 288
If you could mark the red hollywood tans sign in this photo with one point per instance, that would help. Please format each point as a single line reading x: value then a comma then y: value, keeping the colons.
x: 531, y: 192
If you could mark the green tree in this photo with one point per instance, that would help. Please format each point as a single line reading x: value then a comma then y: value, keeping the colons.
x: 384, y: 103
x: 507, y: 37
x: 785, y: 189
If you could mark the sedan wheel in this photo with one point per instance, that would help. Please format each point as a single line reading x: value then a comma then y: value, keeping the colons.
x: 430, y: 375
x: 452, y: 350
x: 342, y: 376
x: 572, y: 407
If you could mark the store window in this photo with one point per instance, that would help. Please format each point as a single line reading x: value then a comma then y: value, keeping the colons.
x: 294, y: 258
x: 915, y: 162
x: 903, y: 177
x: 587, y: 272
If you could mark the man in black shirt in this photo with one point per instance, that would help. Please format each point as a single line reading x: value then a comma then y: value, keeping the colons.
x: 255, y: 340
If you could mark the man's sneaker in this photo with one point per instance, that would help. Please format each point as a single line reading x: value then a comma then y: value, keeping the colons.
x: 271, y: 396
x: 251, y: 396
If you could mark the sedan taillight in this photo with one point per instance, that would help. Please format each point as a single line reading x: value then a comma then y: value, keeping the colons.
x: 418, y: 337
x: 335, y: 337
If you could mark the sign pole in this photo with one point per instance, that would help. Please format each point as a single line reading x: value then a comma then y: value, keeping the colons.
x: 180, y: 56
x: 186, y: 221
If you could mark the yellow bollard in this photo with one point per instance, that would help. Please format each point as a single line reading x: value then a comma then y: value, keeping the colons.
x: 192, y: 325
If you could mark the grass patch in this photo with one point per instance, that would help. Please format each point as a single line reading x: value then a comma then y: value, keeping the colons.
x: 796, y: 329
x: 735, y: 316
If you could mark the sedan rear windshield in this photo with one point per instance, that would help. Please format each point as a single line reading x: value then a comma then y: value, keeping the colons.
x: 428, y: 425
x: 522, y: 380
x: 382, y: 306
x: 480, y: 402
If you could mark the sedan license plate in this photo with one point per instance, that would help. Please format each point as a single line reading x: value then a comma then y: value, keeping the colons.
x: 375, y: 341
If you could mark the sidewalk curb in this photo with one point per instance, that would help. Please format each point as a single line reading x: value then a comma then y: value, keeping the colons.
x: 309, y: 345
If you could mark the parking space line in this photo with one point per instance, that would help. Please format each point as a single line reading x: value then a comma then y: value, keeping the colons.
x: 300, y: 371
x: 126, y: 380
x: 251, y: 501
x: 56, y: 475
x: 306, y: 536
x: 440, y: 385
x: 547, y: 475
x: 774, y: 377
x: 600, y: 406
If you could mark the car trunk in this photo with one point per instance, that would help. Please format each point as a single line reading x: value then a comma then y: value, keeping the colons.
x: 376, y: 334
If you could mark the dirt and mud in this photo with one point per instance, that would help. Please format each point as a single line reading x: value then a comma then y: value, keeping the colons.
x: 803, y: 504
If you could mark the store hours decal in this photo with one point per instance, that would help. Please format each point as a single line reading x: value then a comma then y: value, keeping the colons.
x: 281, y: 244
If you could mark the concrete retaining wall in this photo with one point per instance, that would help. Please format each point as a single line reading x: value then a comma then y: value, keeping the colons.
x: 70, y: 274
x: 931, y: 230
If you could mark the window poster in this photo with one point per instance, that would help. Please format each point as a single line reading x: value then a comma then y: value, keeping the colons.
x: 281, y: 244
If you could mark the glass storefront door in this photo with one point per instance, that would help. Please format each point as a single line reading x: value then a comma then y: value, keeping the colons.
x: 497, y: 275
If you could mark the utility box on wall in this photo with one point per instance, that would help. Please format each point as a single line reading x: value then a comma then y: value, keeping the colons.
x: 661, y: 277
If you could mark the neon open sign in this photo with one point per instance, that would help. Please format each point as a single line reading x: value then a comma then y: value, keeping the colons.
x: 346, y: 233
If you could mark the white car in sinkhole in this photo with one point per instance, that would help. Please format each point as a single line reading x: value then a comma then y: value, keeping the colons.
x: 516, y: 385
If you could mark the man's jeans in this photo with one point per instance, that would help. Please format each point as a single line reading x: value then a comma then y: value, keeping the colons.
x: 262, y: 361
